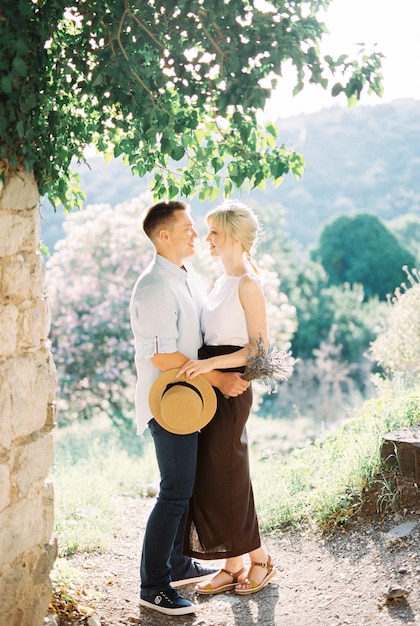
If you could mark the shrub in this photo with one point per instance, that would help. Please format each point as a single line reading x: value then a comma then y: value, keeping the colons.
x: 326, y: 388
x: 326, y: 310
x: 397, y: 347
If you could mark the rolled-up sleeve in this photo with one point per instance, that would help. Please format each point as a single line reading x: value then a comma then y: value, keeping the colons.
x: 154, y: 321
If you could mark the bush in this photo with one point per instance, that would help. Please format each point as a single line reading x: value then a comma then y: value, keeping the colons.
x: 325, y: 310
x: 326, y: 388
x: 397, y: 347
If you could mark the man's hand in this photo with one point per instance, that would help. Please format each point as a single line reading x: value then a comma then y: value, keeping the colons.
x: 229, y: 383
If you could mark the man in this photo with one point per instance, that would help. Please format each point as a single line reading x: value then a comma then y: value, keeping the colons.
x: 165, y: 312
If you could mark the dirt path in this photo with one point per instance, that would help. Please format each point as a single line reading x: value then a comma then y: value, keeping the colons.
x: 327, y: 580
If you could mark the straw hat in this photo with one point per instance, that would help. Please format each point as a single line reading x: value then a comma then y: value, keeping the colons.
x: 180, y: 406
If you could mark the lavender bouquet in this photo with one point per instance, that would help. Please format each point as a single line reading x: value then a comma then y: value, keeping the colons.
x: 269, y: 365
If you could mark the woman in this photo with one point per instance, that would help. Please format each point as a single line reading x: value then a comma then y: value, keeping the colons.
x: 222, y: 520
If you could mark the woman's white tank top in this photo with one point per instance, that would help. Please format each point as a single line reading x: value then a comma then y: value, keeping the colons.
x: 223, y: 320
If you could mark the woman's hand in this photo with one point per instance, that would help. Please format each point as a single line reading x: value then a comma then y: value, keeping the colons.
x: 192, y: 368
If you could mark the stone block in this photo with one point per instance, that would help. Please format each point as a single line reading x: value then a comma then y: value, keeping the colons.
x: 25, y: 383
x: 34, y: 324
x: 32, y: 463
x: 23, y: 525
x: 6, y: 433
x: 8, y: 330
x: 48, y: 504
x: 23, y: 277
x: 4, y: 486
x: 46, y: 561
x: 20, y: 192
x: 25, y: 587
x: 23, y: 232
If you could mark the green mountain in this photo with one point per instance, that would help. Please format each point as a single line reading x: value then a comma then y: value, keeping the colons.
x: 363, y: 159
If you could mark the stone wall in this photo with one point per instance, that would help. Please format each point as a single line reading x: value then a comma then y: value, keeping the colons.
x: 27, y: 387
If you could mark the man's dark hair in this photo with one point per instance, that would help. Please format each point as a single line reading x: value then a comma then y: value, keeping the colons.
x: 161, y: 215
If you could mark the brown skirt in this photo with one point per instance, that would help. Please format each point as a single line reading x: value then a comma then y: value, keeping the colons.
x: 222, y: 520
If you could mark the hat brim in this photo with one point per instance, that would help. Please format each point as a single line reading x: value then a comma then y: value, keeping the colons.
x: 186, y: 423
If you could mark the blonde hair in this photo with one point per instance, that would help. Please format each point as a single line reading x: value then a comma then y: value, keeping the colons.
x: 239, y: 221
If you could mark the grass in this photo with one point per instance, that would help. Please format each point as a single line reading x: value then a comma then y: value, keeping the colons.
x: 324, y: 481
x: 91, y: 468
x: 296, y: 477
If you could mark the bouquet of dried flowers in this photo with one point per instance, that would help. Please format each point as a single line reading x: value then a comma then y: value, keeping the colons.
x: 269, y: 365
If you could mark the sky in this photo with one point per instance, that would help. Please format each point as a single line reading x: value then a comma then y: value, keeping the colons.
x: 394, y: 25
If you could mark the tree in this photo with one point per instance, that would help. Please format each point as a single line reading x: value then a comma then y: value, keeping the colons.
x: 360, y: 249
x: 89, y: 281
x: 159, y: 82
x: 407, y: 230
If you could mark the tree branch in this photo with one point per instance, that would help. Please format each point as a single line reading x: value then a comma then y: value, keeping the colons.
x: 152, y: 96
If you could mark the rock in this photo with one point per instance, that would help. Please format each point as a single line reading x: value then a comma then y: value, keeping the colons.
x: 52, y: 620
x: 151, y: 491
x: 93, y: 620
x: 402, y: 530
x: 394, y: 592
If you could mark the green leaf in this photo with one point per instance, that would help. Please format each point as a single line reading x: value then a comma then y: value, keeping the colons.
x: 214, y: 193
x: 6, y: 84
x: 98, y: 79
x: 228, y: 188
x: 25, y: 8
x: 259, y: 181
x: 272, y: 129
x: 217, y: 164
x: 278, y: 167
x: 298, y: 88
x: 177, y: 153
x: 173, y: 191
x: 352, y: 101
x: 337, y: 89
x: 108, y: 155
x: 19, y: 67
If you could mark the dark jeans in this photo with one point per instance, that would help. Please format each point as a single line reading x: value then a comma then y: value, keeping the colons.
x: 163, y: 539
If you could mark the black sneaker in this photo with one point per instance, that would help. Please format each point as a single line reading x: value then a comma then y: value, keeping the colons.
x: 195, y: 573
x: 168, y: 602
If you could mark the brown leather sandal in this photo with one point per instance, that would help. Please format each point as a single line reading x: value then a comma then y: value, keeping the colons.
x: 253, y: 587
x: 208, y: 590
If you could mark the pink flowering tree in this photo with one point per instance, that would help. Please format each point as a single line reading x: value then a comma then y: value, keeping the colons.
x: 90, y: 277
